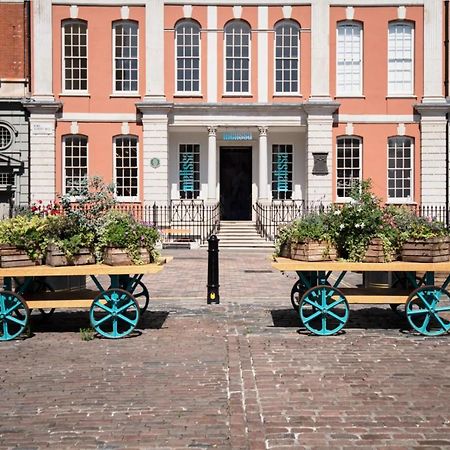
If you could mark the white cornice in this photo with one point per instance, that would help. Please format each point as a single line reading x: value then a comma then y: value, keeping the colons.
x: 233, y: 2
x: 97, y: 117
x: 377, y: 118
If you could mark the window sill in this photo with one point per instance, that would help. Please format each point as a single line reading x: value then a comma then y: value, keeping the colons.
x: 117, y: 95
x: 287, y: 95
x: 187, y: 95
x: 349, y: 96
x: 401, y: 202
x: 401, y: 96
x: 128, y: 200
x: 237, y: 95
x: 74, y: 94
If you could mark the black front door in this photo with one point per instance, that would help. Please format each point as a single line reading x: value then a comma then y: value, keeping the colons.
x: 236, y: 183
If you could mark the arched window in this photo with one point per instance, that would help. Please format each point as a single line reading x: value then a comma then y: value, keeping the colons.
x: 75, y: 151
x: 187, y: 41
x: 400, y: 168
x: 75, y: 62
x: 6, y: 136
x: 348, y: 165
x: 126, y: 51
x: 126, y: 167
x: 237, y: 57
x: 287, y: 40
x: 349, y: 59
x: 400, y: 58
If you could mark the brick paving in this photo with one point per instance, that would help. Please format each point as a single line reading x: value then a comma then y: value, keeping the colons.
x: 239, y: 375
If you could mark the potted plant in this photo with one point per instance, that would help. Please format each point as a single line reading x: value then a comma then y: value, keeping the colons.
x: 123, y: 240
x: 310, y: 239
x: 283, y: 241
x: 23, y: 240
x: 70, y: 240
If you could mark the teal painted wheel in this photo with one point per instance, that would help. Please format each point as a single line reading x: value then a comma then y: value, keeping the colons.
x: 14, y: 315
x: 324, y: 310
x: 114, y: 313
x: 428, y: 310
x: 141, y: 294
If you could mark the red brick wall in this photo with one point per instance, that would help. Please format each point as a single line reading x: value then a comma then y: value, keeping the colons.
x: 13, y: 41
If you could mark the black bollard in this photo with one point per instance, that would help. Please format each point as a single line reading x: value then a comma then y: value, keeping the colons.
x: 213, y: 270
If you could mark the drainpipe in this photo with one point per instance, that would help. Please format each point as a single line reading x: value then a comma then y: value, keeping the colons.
x: 446, y: 92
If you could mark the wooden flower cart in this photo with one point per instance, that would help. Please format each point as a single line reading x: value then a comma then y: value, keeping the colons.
x: 114, y: 311
x: 323, y: 305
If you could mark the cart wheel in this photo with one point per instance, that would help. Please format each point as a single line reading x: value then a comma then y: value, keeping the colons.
x: 38, y: 286
x: 297, y: 291
x: 14, y: 315
x: 114, y: 313
x: 324, y: 310
x: 141, y: 294
x: 428, y: 310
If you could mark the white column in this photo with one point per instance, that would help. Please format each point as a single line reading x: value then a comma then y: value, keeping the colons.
x: 433, y: 55
x: 433, y: 155
x: 154, y: 43
x: 42, y: 50
x: 155, y: 146
x: 212, y: 164
x: 319, y: 187
x: 211, y: 61
x: 263, y: 177
x: 263, y: 53
x: 320, y: 43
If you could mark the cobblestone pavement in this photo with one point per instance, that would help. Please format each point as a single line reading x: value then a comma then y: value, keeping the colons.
x: 239, y: 375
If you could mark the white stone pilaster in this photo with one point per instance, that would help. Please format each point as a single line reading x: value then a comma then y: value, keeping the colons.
x: 433, y: 154
x: 263, y: 54
x: 263, y: 157
x: 319, y: 188
x: 154, y: 44
x: 42, y: 122
x: 320, y: 43
x: 211, y: 71
x: 155, y: 145
x: 212, y: 164
x: 42, y: 88
x: 433, y: 55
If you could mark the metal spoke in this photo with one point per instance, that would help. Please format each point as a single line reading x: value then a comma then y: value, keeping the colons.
x: 13, y: 308
x: 425, y: 323
x: 13, y: 319
x: 312, y: 316
x: 442, y: 309
x: 125, y: 319
x: 115, y: 326
x: 103, y: 319
x: 6, y: 334
x: 339, y: 318
x: 414, y: 312
x: 103, y: 306
x: 123, y: 308
x: 336, y: 303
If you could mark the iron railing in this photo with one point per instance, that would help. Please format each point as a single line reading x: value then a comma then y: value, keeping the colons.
x: 270, y: 216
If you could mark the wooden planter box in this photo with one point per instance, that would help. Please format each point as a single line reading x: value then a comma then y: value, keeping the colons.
x: 313, y: 251
x: 114, y: 256
x: 55, y: 257
x: 426, y: 250
x: 11, y: 256
x: 375, y: 252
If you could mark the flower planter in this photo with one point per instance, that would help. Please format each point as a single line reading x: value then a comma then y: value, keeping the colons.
x: 11, y: 256
x: 313, y: 251
x: 426, y: 250
x: 375, y: 252
x: 114, y: 256
x: 55, y: 257
x: 285, y: 250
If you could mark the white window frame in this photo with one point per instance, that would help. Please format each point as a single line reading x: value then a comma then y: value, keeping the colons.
x: 282, y: 92
x: 358, y: 92
x: 198, y: 196
x: 360, y: 168
x: 240, y: 93
x: 401, y: 92
x: 124, y: 198
x: 114, y: 61
x: 63, y: 58
x: 292, y: 171
x: 7, y: 129
x: 410, y: 198
x: 192, y: 92
x: 64, y: 167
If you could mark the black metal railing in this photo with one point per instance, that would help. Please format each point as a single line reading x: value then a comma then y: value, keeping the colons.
x: 270, y: 216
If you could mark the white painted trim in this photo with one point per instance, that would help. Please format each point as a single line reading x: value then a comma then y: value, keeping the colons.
x: 211, y: 69
x: 262, y: 40
x: 119, y: 198
x: 378, y: 118
x: 97, y: 117
x: 231, y: 2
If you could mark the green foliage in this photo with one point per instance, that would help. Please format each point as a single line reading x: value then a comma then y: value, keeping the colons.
x: 87, y: 334
x: 122, y: 230
x: 28, y: 233
x: 69, y: 234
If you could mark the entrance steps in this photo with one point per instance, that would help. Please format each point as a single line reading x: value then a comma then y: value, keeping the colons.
x: 241, y: 235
